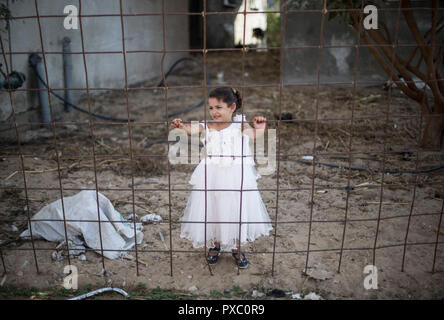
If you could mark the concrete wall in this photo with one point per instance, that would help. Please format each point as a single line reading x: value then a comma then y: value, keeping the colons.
x: 100, y: 34
x: 337, y: 64
x: 220, y: 28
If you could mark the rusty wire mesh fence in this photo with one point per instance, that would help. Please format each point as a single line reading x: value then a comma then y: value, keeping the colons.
x: 21, y: 154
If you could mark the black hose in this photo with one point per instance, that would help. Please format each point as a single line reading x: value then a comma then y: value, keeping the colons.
x: 76, y: 107
x: 331, y: 165
x: 366, y: 169
x: 201, y: 102
x: 132, y: 120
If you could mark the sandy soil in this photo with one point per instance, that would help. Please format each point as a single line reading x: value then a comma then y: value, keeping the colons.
x: 292, y: 209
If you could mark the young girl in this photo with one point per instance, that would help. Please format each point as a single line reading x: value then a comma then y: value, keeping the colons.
x: 223, y: 160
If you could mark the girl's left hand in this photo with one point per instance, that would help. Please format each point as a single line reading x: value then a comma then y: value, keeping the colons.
x: 259, y: 122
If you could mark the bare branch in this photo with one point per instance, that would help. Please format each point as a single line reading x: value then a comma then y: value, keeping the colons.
x: 414, y: 28
x: 389, y: 39
x: 388, y: 68
x: 397, y: 62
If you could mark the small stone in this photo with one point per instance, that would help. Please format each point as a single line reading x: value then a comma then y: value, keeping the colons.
x: 296, y: 296
x: 20, y: 273
x: 257, y: 294
x: 25, y: 264
x: 312, y: 296
x: 82, y: 257
x: 56, y: 256
x: 192, y: 289
x: 71, y: 127
x: 190, y: 277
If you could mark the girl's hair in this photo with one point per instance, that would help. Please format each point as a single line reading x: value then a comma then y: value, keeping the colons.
x: 227, y: 95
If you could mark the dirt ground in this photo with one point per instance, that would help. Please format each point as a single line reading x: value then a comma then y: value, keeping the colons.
x: 396, y: 128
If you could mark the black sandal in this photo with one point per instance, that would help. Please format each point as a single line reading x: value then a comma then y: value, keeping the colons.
x: 240, y: 262
x: 213, y: 259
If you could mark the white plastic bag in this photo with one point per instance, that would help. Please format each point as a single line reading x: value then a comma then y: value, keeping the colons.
x: 83, y: 206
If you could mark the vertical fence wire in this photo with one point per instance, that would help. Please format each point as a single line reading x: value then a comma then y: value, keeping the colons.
x: 384, y: 154
x: 53, y: 129
x: 355, y: 72
x: 438, y: 231
x: 414, y: 191
x: 91, y: 130
x: 278, y: 126
x: 162, y: 65
x: 130, y: 134
x: 244, y: 50
x: 318, y: 70
x: 22, y: 164
x: 204, y: 51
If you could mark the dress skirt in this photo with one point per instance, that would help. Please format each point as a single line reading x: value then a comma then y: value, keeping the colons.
x: 220, y: 207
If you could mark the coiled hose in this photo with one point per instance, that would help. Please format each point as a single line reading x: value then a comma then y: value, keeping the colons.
x: 160, y: 84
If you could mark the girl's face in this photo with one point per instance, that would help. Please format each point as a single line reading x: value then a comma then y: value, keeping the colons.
x: 220, y: 111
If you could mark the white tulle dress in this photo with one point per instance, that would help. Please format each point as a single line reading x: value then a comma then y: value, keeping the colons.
x: 223, y: 214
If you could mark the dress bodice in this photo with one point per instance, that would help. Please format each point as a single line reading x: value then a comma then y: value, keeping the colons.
x: 224, y: 147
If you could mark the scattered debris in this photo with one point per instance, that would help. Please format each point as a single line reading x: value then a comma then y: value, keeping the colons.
x: 312, y: 296
x: 307, y: 157
x: 192, y: 288
x: 220, y: 77
x: 114, y: 238
x: 371, y: 98
x: 296, y: 296
x: 75, y: 247
x: 130, y: 257
x: 86, y: 295
x: 57, y: 256
x: 25, y: 264
x: 3, y: 281
x: 82, y: 257
x: 257, y: 294
x: 318, y: 274
x: 406, y: 156
x: 151, y: 218
x: 284, y: 116
x: 130, y: 217
x: 276, y: 293
x: 14, y: 228
x: 163, y: 240
x: 436, y: 230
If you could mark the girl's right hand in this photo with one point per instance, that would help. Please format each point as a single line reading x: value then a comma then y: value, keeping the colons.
x: 177, y: 123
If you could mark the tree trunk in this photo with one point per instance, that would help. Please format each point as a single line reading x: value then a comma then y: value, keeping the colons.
x: 433, y: 134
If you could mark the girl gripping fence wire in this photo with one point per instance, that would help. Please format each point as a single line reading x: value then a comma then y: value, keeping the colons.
x: 230, y: 168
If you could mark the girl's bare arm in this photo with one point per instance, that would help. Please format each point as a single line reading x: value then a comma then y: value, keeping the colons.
x: 258, y: 131
x: 187, y: 127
